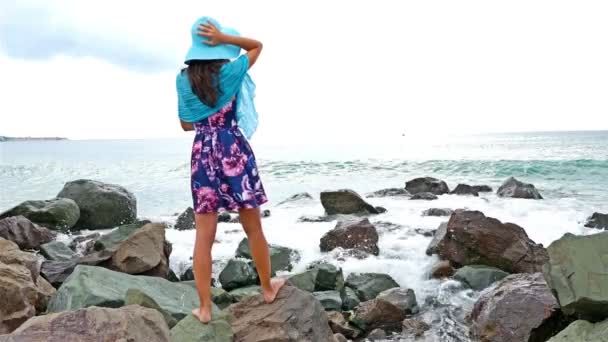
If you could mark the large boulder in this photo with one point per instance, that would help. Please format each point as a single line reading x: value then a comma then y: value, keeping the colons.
x: 141, y: 251
x: 479, y: 277
x: 472, y: 238
x: 440, y: 232
x: 97, y: 286
x: 345, y: 202
x: 369, y: 285
x: 294, y: 316
x: 280, y: 257
x: 238, y: 273
x: 56, y: 272
x: 576, y: 271
x: 131, y: 323
x: 378, y: 314
x: 10, y: 254
x: 518, y: 308
x: 24, y: 232
x: 583, y: 331
x: 190, y: 329
x: 359, y: 235
x: 464, y: 189
x: 328, y: 278
x: 427, y: 184
x: 57, y: 251
x: 112, y: 240
x: 19, y: 296
x: 56, y: 213
x: 185, y: 220
x: 597, y: 220
x: 403, y: 298
x: 102, y: 205
x: 516, y: 189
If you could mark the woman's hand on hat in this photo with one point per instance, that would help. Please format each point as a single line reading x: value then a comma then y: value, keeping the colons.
x: 212, y: 33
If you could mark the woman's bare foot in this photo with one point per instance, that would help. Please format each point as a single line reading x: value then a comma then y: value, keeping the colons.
x: 275, y: 286
x: 203, y: 314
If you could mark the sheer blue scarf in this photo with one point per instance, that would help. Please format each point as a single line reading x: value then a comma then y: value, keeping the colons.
x: 234, y: 81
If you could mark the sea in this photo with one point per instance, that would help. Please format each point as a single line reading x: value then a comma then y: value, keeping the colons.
x: 570, y: 169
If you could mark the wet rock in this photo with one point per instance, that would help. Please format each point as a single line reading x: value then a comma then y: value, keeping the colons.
x: 404, y: 299
x: 102, y: 205
x: 378, y: 314
x: 439, y: 236
x: 316, y: 219
x: 360, y: 235
x: 377, y: 335
x: 142, y: 251
x: 583, y: 331
x: 190, y: 329
x: 425, y: 196
x: 245, y: 292
x: 350, y: 300
x: 57, y: 251
x: 516, y: 189
x: 391, y: 192
x: 280, y: 257
x: 56, y: 213
x: 576, y: 272
x: 369, y: 285
x: 437, y: 212
x: 304, y: 281
x: 597, y: 220
x: 427, y: 184
x: 137, y: 297
x: 346, y: 202
x: 76, y: 243
x: 414, y: 327
x: 296, y: 198
x: 329, y: 278
x: 442, y: 269
x: 24, y: 232
x: 518, y: 308
x: 113, y: 239
x: 187, y: 275
x: 130, y: 323
x: 464, y: 189
x: 330, y: 300
x: 294, y: 315
x: 482, y: 188
x: 472, y: 238
x: 340, y: 325
x: 185, y: 220
x: 56, y: 272
x: 478, y: 277
x: 238, y: 273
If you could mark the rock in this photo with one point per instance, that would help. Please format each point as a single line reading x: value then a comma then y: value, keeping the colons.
x: 425, y: 196
x: 57, y: 250
x: 349, y: 299
x: 340, y: 325
x: 597, y: 220
x: 56, y: 272
x: 101, y: 205
x: 438, y: 237
x: 131, y: 323
x: 304, y: 281
x: 427, y: 184
x: 98, y: 286
x: 11, y: 255
x: 45, y: 293
x: 378, y: 314
x: 19, y: 296
x: 78, y: 240
x: 472, y: 238
x: 442, y: 269
x: 576, y: 272
x: 464, y: 189
x: 294, y: 316
x: 404, y: 299
x: 414, y: 327
x: 113, y: 239
x: 518, y: 308
x: 516, y: 189
x: 137, y: 297
x: 331, y: 300
x: 478, y: 277
x: 391, y: 192
x: 340, y: 338
x: 224, y: 217
x: 238, y: 273
x: 24, y: 232
x: 185, y: 221
x: 437, y: 212
x: 220, y: 297
x: 315, y: 219
x: 583, y: 331
x: 245, y: 292
x: 377, y: 335
x: 360, y: 235
x: 346, y: 202
x: 482, y: 188
x: 297, y: 197
x: 369, y: 285
x: 141, y: 251
x: 187, y: 275
x: 329, y: 278
x: 280, y: 257
x: 191, y: 329
x: 56, y: 213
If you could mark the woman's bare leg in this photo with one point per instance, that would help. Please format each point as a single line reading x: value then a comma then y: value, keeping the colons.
x: 206, y: 225
x: 252, y: 224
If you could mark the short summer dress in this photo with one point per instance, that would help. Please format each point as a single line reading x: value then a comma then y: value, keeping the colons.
x: 224, y: 173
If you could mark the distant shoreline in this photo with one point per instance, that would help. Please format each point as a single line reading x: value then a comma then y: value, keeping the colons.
x: 6, y: 139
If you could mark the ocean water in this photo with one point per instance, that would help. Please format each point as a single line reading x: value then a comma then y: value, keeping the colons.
x: 570, y: 169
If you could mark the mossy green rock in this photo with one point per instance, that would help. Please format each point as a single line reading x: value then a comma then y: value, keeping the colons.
x: 190, y: 329
x: 329, y: 277
x: 478, y: 277
x: 349, y: 299
x: 57, y: 213
x: 577, y: 272
x: 244, y: 292
x: 238, y: 273
x: 583, y: 331
x: 369, y: 285
x: 304, y: 281
x: 57, y: 251
x: 98, y: 286
x: 280, y: 257
x: 135, y: 296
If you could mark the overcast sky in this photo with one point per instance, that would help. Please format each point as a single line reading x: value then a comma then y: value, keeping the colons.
x: 330, y: 70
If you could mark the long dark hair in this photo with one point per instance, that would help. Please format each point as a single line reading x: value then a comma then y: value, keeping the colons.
x: 204, y: 79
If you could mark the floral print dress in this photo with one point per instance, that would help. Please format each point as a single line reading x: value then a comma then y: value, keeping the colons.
x: 224, y: 174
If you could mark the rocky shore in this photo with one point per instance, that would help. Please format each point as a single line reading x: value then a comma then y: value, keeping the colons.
x: 118, y: 285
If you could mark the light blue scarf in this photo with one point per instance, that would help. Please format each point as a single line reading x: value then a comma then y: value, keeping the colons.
x: 234, y: 81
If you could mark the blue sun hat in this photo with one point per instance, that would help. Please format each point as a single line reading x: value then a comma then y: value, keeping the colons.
x: 201, y: 51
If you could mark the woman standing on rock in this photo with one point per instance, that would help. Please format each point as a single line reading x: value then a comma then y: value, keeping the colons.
x: 215, y: 99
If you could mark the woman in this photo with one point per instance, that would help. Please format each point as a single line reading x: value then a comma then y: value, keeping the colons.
x: 215, y: 97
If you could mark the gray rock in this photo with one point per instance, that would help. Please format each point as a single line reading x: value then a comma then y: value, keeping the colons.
x: 482, y: 188
x: 583, y: 331
x: 304, y: 281
x: 219, y: 297
x: 187, y: 275
x: 597, y: 220
x: 56, y: 213
x: 346, y: 202
x: 339, y: 325
x: 516, y: 189
x: 56, y: 272
x: 296, y: 198
x: 439, y: 236
x: 77, y: 241
x: 350, y: 300
x: 442, y: 269
x: 185, y: 220
x: 427, y: 184
x: 329, y: 278
x: 137, y: 297
x: 377, y: 335
x: 142, y: 251
x: 113, y: 239
x: 425, y: 196
x: 238, y: 273
x: 478, y: 277
x: 391, y: 192
x: 576, y: 272
x: 224, y: 217
x: 378, y: 314
x: 280, y: 257
x: 24, y: 233
x: 360, y: 235
x: 57, y: 251
x: 369, y: 285
x: 437, y: 212
x: 331, y: 300
x: 245, y: 292
x: 464, y: 189
x: 191, y: 329
x: 101, y: 205
x: 404, y: 299
x: 414, y: 327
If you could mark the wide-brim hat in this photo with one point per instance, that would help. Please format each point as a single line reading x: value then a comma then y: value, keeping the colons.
x: 201, y: 51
